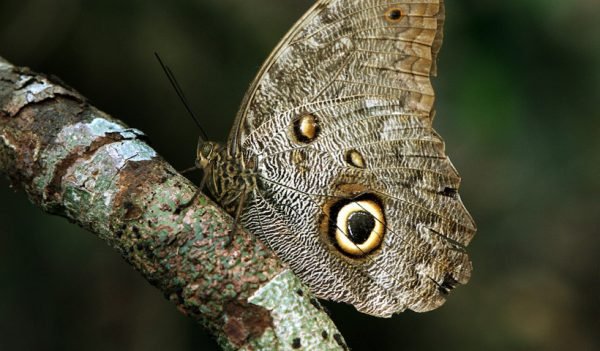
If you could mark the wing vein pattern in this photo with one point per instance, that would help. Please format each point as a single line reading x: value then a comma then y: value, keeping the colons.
x: 361, y: 69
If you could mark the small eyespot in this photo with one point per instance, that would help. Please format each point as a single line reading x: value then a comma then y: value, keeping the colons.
x: 394, y: 15
x: 448, y: 284
x: 449, y: 192
x: 359, y: 227
x: 306, y: 128
x: 354, y: 158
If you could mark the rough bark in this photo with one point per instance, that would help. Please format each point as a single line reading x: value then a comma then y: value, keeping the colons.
x: 76, y: 161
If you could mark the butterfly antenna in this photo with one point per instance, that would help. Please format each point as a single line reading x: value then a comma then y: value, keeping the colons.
x: 181, y: 96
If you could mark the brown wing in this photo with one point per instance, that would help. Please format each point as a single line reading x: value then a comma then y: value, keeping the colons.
x: 342, y: 111
x: 335, y: 36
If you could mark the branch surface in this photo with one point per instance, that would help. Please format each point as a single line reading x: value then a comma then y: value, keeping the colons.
x: 76, y: 161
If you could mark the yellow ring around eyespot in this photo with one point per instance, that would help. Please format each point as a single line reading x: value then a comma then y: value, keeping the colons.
x: 376, y: 235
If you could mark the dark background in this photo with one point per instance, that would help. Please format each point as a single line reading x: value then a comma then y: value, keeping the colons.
x: 517, y: 105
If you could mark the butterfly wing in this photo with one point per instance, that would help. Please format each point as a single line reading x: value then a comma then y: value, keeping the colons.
x: 341, y: 115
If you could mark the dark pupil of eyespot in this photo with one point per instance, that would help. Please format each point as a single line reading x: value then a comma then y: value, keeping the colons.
x: 395, y: 14
x: 360, y: 226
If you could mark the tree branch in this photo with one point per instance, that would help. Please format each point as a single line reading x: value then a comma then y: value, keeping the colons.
x: 76, y: 161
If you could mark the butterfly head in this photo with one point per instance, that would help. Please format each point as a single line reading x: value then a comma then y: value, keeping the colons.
x: 206, y: 153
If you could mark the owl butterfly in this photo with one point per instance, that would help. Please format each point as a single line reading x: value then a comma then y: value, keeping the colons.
x: 334, y: 164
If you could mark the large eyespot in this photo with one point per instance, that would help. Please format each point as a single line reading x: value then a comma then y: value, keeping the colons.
x: 359, y: 227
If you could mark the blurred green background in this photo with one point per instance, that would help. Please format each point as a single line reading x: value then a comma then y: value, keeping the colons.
x: 518, y: 100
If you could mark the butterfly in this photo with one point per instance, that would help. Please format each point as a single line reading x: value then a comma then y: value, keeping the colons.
x: 333, y: 162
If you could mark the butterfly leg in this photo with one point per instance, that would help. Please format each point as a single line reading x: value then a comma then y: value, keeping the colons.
x: 188, y: 170
x: 238, y: 213
x: 197, y: 194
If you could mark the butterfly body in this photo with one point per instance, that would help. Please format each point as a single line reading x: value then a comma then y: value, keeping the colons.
x: 228, y: 177
x: 334, y: 163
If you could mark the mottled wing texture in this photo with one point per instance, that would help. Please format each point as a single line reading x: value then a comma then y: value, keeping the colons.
x: 365, y: 76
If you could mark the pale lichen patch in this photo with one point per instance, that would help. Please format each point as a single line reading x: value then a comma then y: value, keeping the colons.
x: 279, y: 296
x: 34, y: 90
x: 78, y: 142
